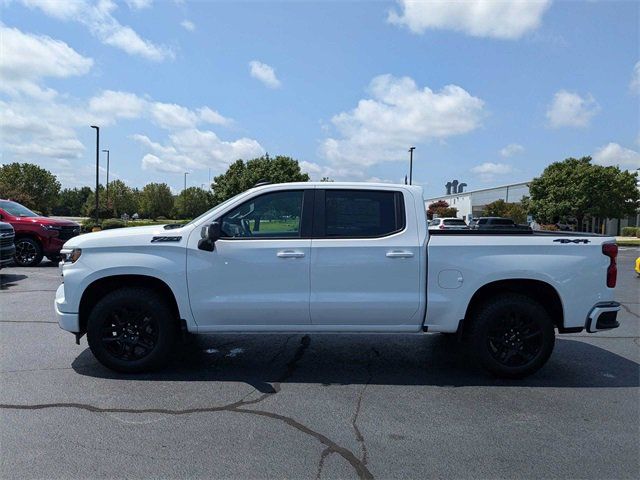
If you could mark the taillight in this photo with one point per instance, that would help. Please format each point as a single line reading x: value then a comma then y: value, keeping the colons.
x: 611, y: 251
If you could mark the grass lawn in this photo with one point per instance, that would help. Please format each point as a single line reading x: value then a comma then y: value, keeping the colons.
x: 279, y: 225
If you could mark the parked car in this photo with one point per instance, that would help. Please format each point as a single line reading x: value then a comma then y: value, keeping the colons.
x: 447, y: 224
x: 334, y: 257
x: 35, y: 235
x: 7, y: 248
x: 485, y: 223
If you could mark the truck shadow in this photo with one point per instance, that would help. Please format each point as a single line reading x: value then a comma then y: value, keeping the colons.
x: 264, y: 360
x: 8, y: 280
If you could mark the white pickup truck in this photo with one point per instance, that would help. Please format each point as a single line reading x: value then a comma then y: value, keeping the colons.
x: 333, y: 257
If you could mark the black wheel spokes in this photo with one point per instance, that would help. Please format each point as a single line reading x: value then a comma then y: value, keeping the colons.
x: 514, y: 340
x: 130, y: 334
x: 25, y: 252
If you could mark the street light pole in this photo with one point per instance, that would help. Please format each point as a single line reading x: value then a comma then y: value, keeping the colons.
x: 185, y: 181
x: 107, y: 176
x: 97, y: 171
x: 411, y: 149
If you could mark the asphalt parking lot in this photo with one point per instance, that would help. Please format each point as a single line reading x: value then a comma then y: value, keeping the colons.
x: 312, y: 407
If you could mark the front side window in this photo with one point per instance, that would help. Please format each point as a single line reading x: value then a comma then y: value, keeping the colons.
x: 362, y: 213
x: 272, y: 215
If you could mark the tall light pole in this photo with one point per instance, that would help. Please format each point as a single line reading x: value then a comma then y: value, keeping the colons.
x: 411, y: 149
x: 97, y: 171
x: 107, y: 176
x: 185, y: 181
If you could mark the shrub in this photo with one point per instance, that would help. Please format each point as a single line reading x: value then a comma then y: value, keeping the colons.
x: 551, y: 227
x: 630, y: 231
x: 87, y: 225
x: 112, y: 223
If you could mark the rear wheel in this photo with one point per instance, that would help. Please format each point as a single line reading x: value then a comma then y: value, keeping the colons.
x: 132, y: 330
x: 511, y: 336
x: 28, y: 252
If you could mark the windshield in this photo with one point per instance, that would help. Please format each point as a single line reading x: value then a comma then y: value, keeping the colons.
x: 455, y: 222
x: 15, y: 209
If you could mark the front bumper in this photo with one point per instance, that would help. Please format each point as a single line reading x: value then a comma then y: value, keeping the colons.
x: 67, y: 321
x: 6, y: 254
x: 603, y: 316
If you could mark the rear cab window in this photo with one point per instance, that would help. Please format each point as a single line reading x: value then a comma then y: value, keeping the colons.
x: 352, y: 213
x: 455, y: 222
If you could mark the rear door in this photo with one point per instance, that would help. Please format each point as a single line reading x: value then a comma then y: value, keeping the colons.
x: 365, y: 262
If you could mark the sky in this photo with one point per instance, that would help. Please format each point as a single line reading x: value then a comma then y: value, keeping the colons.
x: 489, y: 92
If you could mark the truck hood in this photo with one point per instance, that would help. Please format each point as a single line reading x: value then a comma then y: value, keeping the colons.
x: 46, y: 221
x: 126, y: 237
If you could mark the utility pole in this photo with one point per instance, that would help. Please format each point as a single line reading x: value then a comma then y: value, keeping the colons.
x: 411, y: 149
x: 185, y: 181
x: 107, y: 176
x: 97, y: 172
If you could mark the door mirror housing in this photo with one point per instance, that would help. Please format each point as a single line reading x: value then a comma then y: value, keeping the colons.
x: 209, y: 233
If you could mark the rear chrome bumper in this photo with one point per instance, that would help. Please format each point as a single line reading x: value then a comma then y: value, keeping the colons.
x: 603, y: 316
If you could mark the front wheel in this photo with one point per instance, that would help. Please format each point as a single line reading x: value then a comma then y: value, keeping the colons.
x: 132, y: 330
x: 28, y: 252
x: 511, y: 336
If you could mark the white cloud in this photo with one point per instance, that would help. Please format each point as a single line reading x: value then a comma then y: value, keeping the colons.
x: 196, y: 149
x: 117, y: 104
x: 188, y: 25
x: 511, y: 149
x: 569, y: 109
x: 634, y: 85
x: 617, y: 155
x: 211, y: 116
x: 170, y: 115
x: 504, y: 19
x: 98, y: 18
x: 400, y: 114
x: 139, y: 4
x: 488, y: 171
x: 265, y: 73
x: 26, y: 59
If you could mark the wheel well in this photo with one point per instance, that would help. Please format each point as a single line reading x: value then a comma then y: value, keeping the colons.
x: 539, y: 291
x: 28, y: 235
x: 98, y: 289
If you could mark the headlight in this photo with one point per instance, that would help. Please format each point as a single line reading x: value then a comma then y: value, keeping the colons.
x: 70, y: 255
x: 50, y: 227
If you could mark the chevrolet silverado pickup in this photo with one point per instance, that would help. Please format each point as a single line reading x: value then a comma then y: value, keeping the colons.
x: 333, y: 257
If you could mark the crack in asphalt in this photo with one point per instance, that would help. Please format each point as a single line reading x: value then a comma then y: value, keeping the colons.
x: 323, y: 456
x: 628, y: 310
x: 29, y: 321
x: 234, y: 407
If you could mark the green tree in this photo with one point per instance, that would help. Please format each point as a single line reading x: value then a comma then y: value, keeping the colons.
x: 71, y: 201
x: 156, y: 200
x: 89, y: 208
x: 515, y: 211
x: 30, y: 185
x: 575, y: 188
x: 241, y: 175
x: 193, y: 202
x: 122, y: 199
x: 441, y: 209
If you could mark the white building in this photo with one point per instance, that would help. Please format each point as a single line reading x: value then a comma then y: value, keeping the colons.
x: 471, y: 204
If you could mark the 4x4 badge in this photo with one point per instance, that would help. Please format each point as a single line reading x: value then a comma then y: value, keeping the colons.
x: 576, y: 240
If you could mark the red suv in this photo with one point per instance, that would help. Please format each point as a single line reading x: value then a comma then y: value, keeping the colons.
x: 36, y: 236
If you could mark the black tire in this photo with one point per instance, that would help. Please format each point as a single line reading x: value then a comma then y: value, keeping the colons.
x: 132, y: 330
x: 511, y: 336
x: 28, y: 252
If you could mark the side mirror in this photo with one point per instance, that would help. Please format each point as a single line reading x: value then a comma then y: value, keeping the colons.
x: 209, y: 234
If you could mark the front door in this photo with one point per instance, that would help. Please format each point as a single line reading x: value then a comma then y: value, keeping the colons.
x: 258, y: 273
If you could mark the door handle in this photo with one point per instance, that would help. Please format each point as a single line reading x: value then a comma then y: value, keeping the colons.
x: 290, y: 254
x: 399, y: 254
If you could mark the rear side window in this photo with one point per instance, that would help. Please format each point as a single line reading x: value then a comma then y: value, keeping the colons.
x: 362, y: 213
